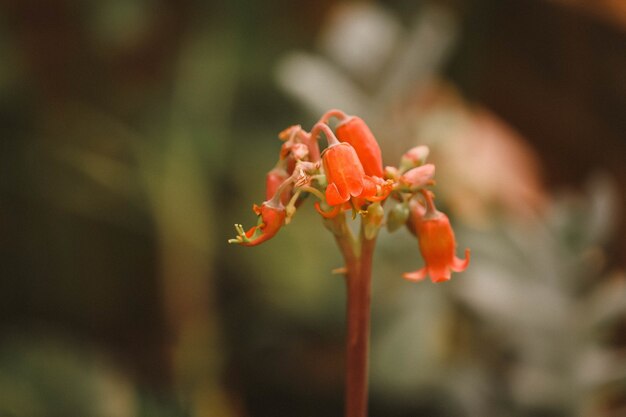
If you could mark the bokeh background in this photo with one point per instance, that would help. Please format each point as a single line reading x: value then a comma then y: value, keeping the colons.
x: 134, y: 133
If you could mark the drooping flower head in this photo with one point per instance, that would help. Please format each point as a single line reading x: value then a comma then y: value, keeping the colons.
x: 436, y: 242
x: 349, y: 175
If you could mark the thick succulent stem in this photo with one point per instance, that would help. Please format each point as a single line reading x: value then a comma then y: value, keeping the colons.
x: 358, y: 257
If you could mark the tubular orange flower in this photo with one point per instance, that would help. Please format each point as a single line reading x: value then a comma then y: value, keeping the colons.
x: 354, y: 131
x: 271, y: 219
x: 437, y: 244
x: 344, y: 173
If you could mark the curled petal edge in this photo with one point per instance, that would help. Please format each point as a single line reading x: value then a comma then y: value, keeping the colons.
x: 327, y: 214
x: 416, y: 276
x: 459, y: 265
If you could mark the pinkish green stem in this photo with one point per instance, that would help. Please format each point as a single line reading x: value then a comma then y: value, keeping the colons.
x: 322, y: 127
x: 333, y: 113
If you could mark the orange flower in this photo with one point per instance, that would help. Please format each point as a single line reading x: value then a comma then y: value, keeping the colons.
x: 271, y: 219
x: 354, y: 131
x: 344, y: 173
x: 437, y: 244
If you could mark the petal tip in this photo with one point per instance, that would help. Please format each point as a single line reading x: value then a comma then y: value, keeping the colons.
x: 415, y: 276
x: 460, y: 265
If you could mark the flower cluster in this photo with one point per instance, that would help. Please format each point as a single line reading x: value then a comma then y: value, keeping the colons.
x: 348, y: 175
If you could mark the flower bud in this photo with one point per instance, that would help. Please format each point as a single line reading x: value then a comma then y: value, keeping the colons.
x: 397, y: 217
x: 419, y: 177
x: 414, y: 157
x: 392, y: 173
x: 372, y: 220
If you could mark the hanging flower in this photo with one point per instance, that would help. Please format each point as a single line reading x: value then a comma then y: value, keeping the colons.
x: 354, y: 131
x: 344, y: 174
x: 271, y: 219
x: 437, y: 243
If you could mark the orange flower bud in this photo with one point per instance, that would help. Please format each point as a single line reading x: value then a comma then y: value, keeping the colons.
x: 437, y: 244
x: 354, y: 131
x: 344, y: 173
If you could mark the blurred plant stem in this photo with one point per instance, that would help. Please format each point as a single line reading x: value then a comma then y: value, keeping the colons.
x: 183, y: 220
x: 358, y: 256
x: 181, y: 192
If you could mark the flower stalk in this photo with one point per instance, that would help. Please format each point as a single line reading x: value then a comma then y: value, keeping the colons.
x: 358, y: 284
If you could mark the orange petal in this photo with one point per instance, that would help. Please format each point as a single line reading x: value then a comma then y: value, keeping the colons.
x: 327, y: 214
x: 369, y: 188
x: 440, y: 274
x: 355, y: 185
x: 334, y: 196
x: 416, y: 276
x: 459, y: 265
x: 343, y: 168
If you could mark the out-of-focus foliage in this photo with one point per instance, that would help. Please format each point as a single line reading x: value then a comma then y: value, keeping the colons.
x: 113, y: 127
x: 45, y: 375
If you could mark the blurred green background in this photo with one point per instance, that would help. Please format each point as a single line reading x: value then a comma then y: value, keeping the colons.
x: 134, y: 133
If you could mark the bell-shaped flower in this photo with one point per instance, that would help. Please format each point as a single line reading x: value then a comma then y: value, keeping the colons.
x: 354, y: 131
x: 344, y: 173
x: 271, y: 218
x: 436, y: 242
